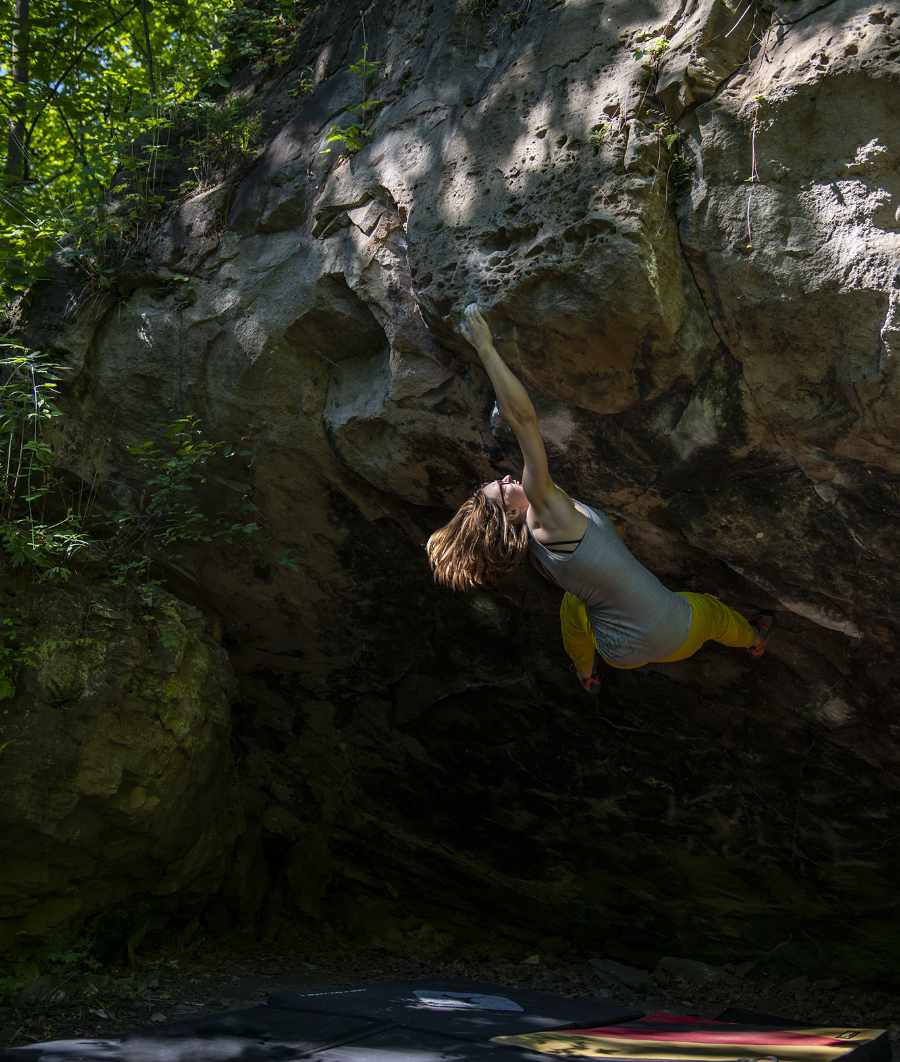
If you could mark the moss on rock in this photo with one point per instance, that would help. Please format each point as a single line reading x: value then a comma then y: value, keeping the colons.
x: 116, y: 761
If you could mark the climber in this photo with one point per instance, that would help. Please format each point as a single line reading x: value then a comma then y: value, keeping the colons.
x: 612, y: 604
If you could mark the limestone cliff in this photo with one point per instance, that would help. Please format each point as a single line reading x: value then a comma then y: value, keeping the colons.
x: 683, y: 220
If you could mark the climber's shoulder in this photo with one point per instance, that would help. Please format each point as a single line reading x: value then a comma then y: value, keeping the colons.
x: 557, y: 518
x: 552, y: 515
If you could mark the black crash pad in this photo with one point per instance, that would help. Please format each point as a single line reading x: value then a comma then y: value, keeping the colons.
x: 400, y: 1044
x: 267, y: 1023
x: 434, y: 1021
x: 467, y: 1009
x: 393, y: 1044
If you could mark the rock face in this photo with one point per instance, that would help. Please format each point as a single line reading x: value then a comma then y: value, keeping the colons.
x: 119, y: 791
x: 683, y: 219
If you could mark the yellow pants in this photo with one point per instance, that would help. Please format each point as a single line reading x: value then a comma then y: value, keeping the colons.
x: 711, y: 620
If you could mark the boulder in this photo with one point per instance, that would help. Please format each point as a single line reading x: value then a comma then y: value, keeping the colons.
x: 670, y: 968
x: 619, y: 973
x: 682, y: 223
x: 118, y: 778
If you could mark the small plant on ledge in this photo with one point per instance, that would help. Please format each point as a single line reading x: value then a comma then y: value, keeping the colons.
x: 356, y: 135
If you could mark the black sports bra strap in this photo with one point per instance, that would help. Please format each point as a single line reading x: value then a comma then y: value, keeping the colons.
x: 553, y: 546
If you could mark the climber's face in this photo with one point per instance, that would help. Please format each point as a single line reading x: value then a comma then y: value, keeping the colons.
x: 509, y: 493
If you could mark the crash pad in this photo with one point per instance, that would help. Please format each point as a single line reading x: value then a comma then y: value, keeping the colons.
x: 459, y: 1021
x: 434, y: 1021
x: 686, y: 1038
x: 467, y: 1009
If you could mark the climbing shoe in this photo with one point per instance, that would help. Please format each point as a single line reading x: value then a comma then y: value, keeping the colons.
x: 762, y: 623
x: 591, y: 684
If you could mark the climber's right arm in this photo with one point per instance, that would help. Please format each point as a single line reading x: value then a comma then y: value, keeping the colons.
x: 551, y: 506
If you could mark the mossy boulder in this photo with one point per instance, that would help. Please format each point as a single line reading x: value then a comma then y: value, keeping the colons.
x: 115, y: 765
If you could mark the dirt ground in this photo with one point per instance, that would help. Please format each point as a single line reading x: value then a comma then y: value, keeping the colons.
x: 170, y: 987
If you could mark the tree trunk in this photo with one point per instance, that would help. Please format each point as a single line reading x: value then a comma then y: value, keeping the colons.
x: 148, y: 48
x: 16, y: 158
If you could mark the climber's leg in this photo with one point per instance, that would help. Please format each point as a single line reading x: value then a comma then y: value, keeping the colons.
x: 577, y: 634
x: 712, y: 620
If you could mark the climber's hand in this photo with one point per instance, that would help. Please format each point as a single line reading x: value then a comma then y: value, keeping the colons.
x: 474, y: 327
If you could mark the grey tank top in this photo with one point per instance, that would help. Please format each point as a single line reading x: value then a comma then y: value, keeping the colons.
x: 636, y: 620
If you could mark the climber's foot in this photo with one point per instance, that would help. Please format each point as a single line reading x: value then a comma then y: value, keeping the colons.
x: 589, y: 683
x: 762, y: 624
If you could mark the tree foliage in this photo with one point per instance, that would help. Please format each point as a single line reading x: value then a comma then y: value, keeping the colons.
x: 81, y: 82
x: 90, y: 92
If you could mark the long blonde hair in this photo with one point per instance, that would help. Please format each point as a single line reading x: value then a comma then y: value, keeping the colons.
x: 477, y: 546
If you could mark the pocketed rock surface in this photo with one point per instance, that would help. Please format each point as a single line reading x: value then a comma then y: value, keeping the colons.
x: 682, y: 222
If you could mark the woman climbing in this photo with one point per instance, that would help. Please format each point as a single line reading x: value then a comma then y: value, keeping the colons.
x: 612, y: 604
